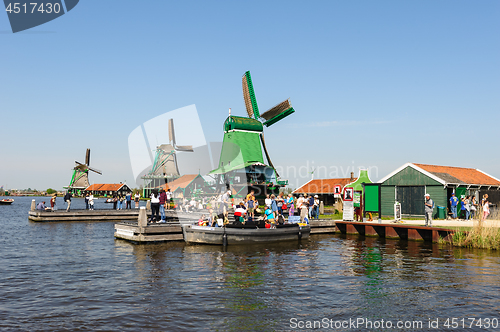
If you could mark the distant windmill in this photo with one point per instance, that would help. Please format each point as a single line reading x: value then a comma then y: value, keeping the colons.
x: 80, y: 178
x: 165, y: 166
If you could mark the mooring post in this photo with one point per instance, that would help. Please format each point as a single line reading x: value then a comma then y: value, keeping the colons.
x: 33, y: 205
x: 321, y: 208
x: 148, y: 205
x: 142, y: 220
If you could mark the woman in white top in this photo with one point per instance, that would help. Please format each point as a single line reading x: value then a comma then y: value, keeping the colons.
x: 137, y: 197
x: 155, y: 206
x: 91, y: 201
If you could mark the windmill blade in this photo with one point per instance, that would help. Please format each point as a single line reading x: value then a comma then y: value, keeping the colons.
x: 171, y: 137
x: 94, y: 170
x: 188, y: 148
x: 87, y: 157
x: 171, y: 133
x: 80, y: 166
x: 277, y: 113
x: 249, y: 96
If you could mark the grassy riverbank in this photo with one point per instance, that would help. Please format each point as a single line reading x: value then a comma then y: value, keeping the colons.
x: 483, y: 235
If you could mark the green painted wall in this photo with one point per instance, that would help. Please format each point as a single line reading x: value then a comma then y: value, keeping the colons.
x: 388, y: 199
x: 438, y: 195
x: 410, y: 177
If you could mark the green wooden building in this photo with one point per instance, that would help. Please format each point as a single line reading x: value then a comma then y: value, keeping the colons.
x: 409, y: 183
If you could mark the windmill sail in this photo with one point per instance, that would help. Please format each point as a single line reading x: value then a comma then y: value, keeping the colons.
x: 171, y: 137
x: 249, y: 96
x: 87, y: 157
x: 277, y: 112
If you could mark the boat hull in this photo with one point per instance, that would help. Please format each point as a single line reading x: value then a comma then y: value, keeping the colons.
x: 215, y: 235
x: 6, y: 201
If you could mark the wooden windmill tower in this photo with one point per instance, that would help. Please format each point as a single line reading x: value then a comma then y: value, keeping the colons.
x: 80, y: 179
x: 164, y: 168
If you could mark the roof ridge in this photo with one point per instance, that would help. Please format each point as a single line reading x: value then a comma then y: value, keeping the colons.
x: 443, y: 166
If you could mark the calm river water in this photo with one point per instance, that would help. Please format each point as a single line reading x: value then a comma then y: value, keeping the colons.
x: 77, y: 277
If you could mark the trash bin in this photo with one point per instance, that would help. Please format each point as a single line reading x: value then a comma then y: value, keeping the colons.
x: 441, y: 212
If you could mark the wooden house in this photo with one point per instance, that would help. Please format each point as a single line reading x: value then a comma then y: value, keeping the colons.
x: 409, y: 183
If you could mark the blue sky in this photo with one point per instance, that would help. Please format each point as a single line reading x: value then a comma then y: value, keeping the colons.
x: 373, y: 83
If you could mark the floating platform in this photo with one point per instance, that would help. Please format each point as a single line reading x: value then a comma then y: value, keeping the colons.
x: 109, y: 215
x: 83, y: 215
x: 142, y: 232
x: 395, y: 231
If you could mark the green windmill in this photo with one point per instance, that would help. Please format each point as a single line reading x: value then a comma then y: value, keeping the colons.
x: 241, y: 164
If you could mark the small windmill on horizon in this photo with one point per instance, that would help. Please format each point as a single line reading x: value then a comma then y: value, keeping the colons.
x: 80, y: 179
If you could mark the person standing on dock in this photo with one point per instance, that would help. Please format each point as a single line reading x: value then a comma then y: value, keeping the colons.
x: 91, y: 201
x: 169, y: 198
x: 473, y: 207
x: 137, y: 196
x: 86, y: 201
x: 310, y: 203
x: 163, y: 200
x: 486, y: 207
x: 316, y: 206
x: 453, y: 205
x: 155, y: 206
x: 429, y: 208
x: 67, y: 199
x: 53, y: 202
x: 128, y: 197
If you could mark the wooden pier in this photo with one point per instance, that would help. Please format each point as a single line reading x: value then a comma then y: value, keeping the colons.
x: 143, y: 232
x: 395, y: 231
x: 109, y: 215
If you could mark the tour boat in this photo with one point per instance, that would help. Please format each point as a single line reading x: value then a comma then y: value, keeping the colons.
x: 6, y: 201
x: 244, y: 234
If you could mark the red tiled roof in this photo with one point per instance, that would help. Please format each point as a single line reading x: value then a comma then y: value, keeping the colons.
x: 465, y: 175
x: 105, y: 187
x: 181, y: 182
x: 323, y: 186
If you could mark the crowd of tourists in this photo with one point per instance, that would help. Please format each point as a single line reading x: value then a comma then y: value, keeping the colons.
x: 469, y: 207
x: 248, y: 211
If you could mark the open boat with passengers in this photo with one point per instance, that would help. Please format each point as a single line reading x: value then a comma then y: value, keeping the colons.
x: 244, y: 234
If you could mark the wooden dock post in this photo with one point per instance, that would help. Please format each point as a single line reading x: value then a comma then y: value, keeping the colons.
x: 142, y: 220
x: 148, y: 205
x: 33, y: 205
